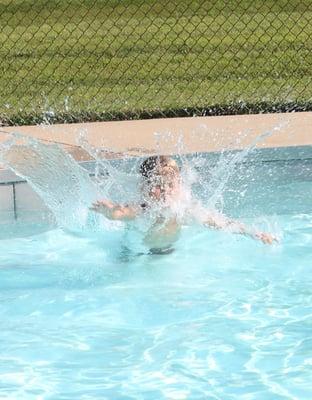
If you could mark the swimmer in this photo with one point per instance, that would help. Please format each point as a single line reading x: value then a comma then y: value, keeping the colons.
x: 163, y: 196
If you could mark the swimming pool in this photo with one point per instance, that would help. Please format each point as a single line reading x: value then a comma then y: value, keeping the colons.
x: 223, y: 317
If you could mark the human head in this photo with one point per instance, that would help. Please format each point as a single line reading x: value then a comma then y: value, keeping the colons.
x: 161, y: 176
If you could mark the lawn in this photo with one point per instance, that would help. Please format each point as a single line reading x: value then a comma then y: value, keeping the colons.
x: 127, y: 59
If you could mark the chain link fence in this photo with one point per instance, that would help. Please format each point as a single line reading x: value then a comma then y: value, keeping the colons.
x: 80, y: 60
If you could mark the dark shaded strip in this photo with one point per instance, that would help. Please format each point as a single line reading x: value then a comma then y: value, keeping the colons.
x: 14, y: 201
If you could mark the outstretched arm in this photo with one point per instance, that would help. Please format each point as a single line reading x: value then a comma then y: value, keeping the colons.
x: 218, y: 221
x: 114, y: 211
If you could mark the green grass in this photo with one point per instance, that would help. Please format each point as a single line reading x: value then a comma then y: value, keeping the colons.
x: 95, y: 59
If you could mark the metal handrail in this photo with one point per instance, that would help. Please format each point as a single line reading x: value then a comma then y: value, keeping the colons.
x: 13, y: 184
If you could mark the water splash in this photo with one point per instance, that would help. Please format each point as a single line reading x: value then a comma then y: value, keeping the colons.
x: 64, y: 186
x: 115, y: 181
x: 68, y: 190
x: 230, y: 168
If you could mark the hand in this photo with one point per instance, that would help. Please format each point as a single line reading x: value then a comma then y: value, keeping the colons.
x: 102, y: 206
x: 266, y: 238
x: 114, y: 211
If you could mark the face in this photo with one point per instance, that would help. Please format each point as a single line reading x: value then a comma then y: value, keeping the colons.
x: 162, y: 184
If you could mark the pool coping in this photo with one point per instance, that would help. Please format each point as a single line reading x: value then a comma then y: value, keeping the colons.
x: 176, y: 135
x: 285, y: 136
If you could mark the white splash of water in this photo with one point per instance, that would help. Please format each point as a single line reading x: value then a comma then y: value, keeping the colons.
x: 67, y: 189
x: 56, y: 177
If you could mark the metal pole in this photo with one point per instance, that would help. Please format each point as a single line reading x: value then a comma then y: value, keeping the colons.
x: 14, y: 201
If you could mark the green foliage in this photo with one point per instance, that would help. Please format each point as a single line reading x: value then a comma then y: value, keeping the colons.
x: 112, y: 59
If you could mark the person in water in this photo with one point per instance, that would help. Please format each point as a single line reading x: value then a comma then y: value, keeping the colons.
x: 170, y: 206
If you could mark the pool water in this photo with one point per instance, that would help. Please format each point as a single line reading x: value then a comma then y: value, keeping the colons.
x: 84, y: 316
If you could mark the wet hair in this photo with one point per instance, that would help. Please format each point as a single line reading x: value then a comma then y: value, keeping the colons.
x: 148, y: 167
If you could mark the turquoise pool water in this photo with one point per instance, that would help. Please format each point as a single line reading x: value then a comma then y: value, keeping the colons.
x: 222, y: 317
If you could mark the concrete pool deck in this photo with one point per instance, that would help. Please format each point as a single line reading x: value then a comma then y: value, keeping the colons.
x: 172, y: 135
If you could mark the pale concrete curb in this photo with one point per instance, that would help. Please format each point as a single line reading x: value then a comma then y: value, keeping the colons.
x: 173, y: 135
